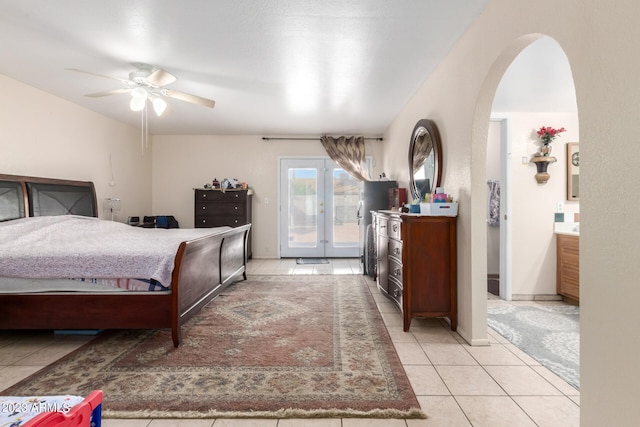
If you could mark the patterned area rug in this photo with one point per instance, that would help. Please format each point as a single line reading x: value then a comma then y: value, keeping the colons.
x: 549, y: 334
x: 271, y: 346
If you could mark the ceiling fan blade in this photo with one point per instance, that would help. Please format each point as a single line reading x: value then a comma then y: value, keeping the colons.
x: 125, y: 81
x: 108, y: 92
x: 194, y: 99
x: 161, y: 78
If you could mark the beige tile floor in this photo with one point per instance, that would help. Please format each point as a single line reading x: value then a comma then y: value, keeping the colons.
x: 457, y: 385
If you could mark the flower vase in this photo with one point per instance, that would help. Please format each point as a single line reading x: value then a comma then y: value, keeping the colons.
x: 545, y: 150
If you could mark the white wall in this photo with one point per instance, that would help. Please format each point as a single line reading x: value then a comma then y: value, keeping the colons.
x: 534, y: 205
x: 181, y: 163
x: 43, y: 135
x: 601, y: 44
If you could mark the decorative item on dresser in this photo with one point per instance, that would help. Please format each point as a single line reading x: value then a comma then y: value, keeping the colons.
x: 216, y: 207
x: 417, y: 264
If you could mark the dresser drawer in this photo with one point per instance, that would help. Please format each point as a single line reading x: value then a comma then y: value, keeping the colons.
x: 203, y: 221
x: 220, y: 209
x: 394, y: 228
x: 216, y: 195
x: 381, y: 226
x: 395, y: 292
x: 395, y: 270
x: 395, y: 249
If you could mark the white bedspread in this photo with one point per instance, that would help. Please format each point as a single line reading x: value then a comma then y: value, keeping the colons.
x: 83, y: 247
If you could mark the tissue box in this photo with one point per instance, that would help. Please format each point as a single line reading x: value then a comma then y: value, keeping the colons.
x: 439, y: 209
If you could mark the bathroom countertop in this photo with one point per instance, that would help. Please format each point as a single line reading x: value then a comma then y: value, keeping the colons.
x: 568, y: 228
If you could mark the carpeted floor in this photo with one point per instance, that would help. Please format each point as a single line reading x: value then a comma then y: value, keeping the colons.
x: 550, y: 334
x: 271, y: 346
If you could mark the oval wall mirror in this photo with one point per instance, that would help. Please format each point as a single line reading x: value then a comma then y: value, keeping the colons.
x: 425, y: 158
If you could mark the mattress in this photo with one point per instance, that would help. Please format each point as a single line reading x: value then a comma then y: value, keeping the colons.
x: 22, y: 285
x: 69, y: 246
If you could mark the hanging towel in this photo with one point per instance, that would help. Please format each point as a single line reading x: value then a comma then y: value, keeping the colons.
x: 493, y: 210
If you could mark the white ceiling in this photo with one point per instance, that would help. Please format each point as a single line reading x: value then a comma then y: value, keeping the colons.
x: 274, y: 67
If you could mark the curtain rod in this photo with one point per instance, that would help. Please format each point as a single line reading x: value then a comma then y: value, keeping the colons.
x: 266, y: 138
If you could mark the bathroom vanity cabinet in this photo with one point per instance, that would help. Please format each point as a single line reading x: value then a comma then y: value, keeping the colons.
x: 568, y: 266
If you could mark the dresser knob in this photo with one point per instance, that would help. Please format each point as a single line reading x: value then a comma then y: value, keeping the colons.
x: 236, y: 221
x: 204, y: 221
x: 235, y: 207
x: 204, y: 208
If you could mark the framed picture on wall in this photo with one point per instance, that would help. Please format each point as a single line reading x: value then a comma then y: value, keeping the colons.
x: 573, y: 171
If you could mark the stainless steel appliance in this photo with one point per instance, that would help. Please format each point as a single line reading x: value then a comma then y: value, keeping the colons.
x: 375, y: 196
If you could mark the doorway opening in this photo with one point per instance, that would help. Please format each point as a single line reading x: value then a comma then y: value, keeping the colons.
x: 318, y: 209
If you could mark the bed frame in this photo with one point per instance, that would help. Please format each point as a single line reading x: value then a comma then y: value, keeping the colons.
x: 203, y: 267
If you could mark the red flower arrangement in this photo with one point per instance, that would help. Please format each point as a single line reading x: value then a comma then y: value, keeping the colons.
x: 547, y: 134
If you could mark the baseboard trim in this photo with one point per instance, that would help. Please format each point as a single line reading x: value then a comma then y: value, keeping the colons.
x: 536, y: 297
x: 479, y: 342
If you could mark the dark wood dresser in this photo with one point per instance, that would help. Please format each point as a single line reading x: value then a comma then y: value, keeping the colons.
x: 417, y: 267
x: 215, y: 208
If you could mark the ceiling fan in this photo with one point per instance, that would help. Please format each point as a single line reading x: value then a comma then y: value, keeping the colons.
x: 148, y: 84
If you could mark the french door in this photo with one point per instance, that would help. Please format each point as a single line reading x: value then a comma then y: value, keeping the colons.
x: 318, y: 209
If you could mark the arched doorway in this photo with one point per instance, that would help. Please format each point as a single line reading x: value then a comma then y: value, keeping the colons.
x: 536, y: 90
x: 479, y: 188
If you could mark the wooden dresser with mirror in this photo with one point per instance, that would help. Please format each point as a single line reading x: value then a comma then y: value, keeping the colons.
x: 416, y: 255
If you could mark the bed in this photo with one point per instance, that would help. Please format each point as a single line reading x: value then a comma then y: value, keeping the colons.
x: 201, y: 267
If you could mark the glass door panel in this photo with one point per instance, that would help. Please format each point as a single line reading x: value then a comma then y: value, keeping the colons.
x: 301, y: 193
x: 344, y: 196
x: 318, y: 209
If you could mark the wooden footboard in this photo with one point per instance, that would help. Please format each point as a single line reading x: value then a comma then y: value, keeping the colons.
x: 203, y: 268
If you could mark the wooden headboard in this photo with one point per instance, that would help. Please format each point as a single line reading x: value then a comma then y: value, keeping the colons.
x: 27, y: 196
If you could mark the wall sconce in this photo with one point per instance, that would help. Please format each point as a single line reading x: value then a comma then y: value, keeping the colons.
x: 111, y: 206
x: 542, y: 162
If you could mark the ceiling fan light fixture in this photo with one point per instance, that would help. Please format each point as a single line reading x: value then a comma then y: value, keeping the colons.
x: 138, y: 99
x: 139, y: 92
x: 159, y: 105
x: 137, y: 103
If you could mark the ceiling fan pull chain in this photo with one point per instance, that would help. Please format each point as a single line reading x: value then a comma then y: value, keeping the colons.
x: 142, y: 132
x: 146, y: 125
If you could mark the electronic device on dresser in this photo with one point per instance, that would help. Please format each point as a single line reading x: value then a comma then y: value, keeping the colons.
x: 416, y: 254
x: 231, y: 207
